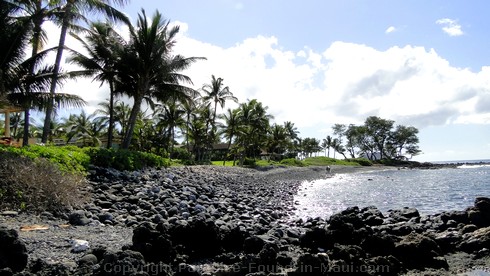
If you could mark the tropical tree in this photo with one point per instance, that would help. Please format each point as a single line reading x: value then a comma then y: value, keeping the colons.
x: 72, y: 11
x: 23, y: 82
x: 229, y: 127
x: 254, y: 125
x: 327, y: 144
x: 148, y: 69
x: 104, y: 46
x: 216, y: 93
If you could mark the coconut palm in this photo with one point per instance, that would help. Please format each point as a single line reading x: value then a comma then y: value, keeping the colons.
x: 71, y: 12
x: 24, y: 81
x: 215, y: 92
x: 149, y: 70
x: 103, y: 45
x: 229, y: 128
x: 327, y: 144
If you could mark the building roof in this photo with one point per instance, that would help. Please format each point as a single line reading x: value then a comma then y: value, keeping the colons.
x: 10, y: 108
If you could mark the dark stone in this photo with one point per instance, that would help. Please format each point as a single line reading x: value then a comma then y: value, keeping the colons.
x: 417, y: 251
x: 253, y: 244
x: 88, y: 259
x: 483, y: 204
x: 476, y: 240
x: 13, y: 253
x: 372, y: 216
x: 200, y: 238
x: 78, y: 218
x: 457, y: 216
x: 379, y: 244
x: 233, y: 239
x: 152, y: 244
x: 315, y: 238
x: 404, y: 214
x: 479, y: 218
x: 312, y: 264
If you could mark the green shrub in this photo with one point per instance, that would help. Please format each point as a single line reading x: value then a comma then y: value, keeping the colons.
x: 181, y: 153
x: 37, y: 185
x: 292, y: 162
x: 68, y: 158
x: 122, y: 159
x: 362, y: 161
x: 249, y: 162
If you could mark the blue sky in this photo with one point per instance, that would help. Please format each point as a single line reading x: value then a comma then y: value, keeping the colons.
x: 319, y: 62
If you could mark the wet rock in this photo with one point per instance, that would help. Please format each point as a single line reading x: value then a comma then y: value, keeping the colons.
x: 417, y: 251
x: 316, y: 238
x: 475, y: 241
x: 379, y: 244
x: 13, y: 253
x: 404, y: 214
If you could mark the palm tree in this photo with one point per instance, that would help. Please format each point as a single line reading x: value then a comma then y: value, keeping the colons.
x: 36, y: 12
x: 103, y: 45
x: 148, y: 69
x: 229, y: 126
x: 23, y: 81
x: 327, y: 144
x: 254, y: 122
x: 171, y: 117
x: 72, y: 11
x: 216, y: 93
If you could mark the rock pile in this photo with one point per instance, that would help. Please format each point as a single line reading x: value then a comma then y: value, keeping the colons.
x: 229, y: 221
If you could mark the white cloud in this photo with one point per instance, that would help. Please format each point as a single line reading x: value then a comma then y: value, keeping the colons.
x: 390, y: 29
x: 343, y: 84
x: 450, y: 27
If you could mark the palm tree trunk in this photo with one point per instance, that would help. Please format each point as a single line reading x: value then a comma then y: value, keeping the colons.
x: 57, y: 65
x: 25, y: 137
x: 229, y: 145
x: 132, y: 122
x: 111, y: 115
x: 36, y: 40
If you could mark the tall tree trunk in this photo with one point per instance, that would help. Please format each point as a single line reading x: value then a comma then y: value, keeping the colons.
x: 57, y: 65
x: 132, y: 122
x: 111, y: 115
x: 36, y: 40
x: 25, y: 137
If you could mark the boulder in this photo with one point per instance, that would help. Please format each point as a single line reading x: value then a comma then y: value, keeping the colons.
x: 404, y: 214
x: 417, y: 251
x: 475, y: 241
x: 13, y: 253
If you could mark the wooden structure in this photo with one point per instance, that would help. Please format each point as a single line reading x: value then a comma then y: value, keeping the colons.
x: 7, y: 110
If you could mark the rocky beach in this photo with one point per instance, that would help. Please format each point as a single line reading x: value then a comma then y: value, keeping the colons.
x: 209, y: 220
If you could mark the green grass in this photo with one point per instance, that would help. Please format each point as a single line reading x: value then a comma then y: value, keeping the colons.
x: 227, y: 163
x: 325, y: 161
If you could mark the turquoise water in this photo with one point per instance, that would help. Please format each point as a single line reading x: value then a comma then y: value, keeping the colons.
x: 430, y: 191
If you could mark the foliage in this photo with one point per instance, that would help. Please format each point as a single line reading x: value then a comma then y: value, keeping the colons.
x: 69, y: 159
x: 37, y: 185
x: 180, y: 153
x: 361, y: 161
x: 122, y: 159
x: 377, y: 139
x: 292, y: 162
x: 325, y: 161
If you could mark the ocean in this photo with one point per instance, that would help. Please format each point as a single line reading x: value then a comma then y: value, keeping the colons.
x: 431, y: 191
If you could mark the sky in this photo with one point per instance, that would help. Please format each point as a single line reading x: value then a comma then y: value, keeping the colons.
x: 319, y: 62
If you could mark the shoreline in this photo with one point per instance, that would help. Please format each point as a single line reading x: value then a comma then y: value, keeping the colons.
x: 247, y: 222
